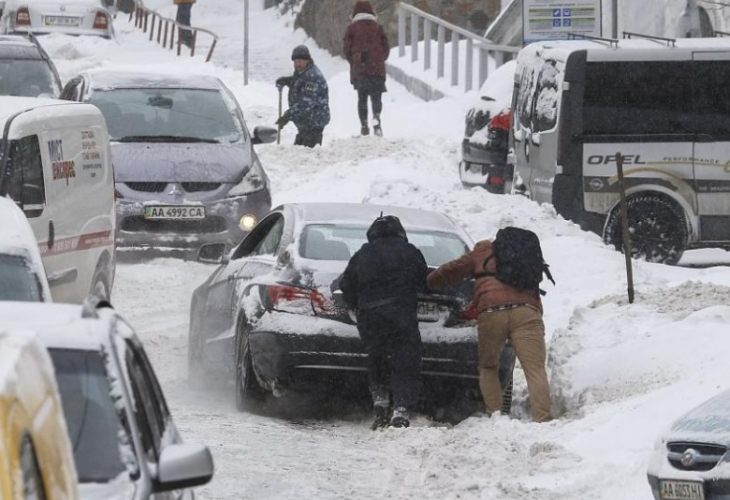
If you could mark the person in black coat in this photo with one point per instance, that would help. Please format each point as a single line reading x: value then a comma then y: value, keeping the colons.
x: 381, y: 283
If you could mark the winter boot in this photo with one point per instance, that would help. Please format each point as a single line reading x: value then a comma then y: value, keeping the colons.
x: 377, y: 130
x: 364, y: 130
x: 400, y: 417
x: 382, y: 417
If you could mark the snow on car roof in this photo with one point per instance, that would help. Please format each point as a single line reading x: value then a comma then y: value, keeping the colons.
x: 366, y: 213
x: 11, y: 106
x: 110, y: 79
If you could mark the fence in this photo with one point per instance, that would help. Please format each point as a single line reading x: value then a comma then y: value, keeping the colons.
x: 147, y: 19
x: 486, y: 50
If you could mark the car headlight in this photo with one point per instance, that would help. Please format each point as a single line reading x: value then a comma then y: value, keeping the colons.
x: 254, y: 180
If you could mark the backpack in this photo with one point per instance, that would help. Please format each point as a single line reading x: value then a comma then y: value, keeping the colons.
x: 519, y: 259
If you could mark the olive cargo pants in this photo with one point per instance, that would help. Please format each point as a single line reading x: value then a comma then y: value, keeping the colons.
x: 526, y: 330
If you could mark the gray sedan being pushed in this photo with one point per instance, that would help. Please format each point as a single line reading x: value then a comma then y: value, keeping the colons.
x: 186, y: 171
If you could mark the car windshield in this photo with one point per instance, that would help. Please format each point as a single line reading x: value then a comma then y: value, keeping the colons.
x: 93, y: 423
x: 167, y: 115
x: 17, y: 280
x: 340, y: 242
x: 26, y: 78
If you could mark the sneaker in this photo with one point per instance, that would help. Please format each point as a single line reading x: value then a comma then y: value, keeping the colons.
x: 400, y: 418
x: 382, y: 417
x: 377, y: 130
x: 364, y: 130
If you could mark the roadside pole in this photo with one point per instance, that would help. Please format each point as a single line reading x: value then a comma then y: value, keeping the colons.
x: 626, y: 236
x: 245, y: 42
x: 614, y: 15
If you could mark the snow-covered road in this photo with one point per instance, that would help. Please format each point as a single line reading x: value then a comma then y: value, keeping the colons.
x: 613, y: 366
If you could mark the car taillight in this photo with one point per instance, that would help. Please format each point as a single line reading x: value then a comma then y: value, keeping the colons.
x: 469, y: 313
x: 296, y: 300
x: 501, y: 121
x: 101, y: 21
x: 22, y: 17
x: 495, y: 180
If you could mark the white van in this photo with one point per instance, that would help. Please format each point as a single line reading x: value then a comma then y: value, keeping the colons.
x: 56, y: 164
x: 663, y: 104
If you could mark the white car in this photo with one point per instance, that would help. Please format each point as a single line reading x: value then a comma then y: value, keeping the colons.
x: 72, y: 17
x: 22, y: 276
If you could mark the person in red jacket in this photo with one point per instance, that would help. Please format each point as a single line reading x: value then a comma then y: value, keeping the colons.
x: 366, y: 48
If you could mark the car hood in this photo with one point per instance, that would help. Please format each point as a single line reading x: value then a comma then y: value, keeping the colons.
x: 188, y: 162
x: 707, y: 423
x: 72, y: 7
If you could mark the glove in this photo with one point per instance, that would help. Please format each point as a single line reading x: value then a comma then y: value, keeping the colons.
x: 283, y: 120
x: 283, y: 81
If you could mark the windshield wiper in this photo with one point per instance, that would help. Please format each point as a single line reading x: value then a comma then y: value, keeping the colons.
x: 165, y: 138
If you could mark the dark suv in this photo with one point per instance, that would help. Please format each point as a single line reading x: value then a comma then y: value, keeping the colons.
x: 25, y: 68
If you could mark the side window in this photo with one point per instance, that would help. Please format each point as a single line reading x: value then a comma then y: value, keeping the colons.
x: 149, y: 422
x: 24, y: 180
x: 712, y: 108
x: 270, y: 243
x: 259, y: 242
x: 32, y: 479
x: 154, y: 384
x: 524, y: 104
x: 546, y: 98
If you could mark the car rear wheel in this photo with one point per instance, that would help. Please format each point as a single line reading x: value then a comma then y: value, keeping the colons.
x: 658, y: 228
x: 248, y: 391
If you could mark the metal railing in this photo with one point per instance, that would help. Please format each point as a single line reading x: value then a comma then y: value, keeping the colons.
x: 148, y: 19
x: 485, y: 49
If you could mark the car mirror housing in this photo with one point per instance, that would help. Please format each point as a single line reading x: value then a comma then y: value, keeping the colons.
x: 264, y: 135
x: 213, y: 253
x: 183, y: 466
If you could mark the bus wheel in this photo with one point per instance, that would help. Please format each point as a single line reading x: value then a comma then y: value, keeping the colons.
x: 658, y: 228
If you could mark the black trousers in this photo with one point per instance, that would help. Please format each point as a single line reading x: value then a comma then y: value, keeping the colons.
x: 183, y: 17
x: 362, y: 103
x: 309, y: 138
x: 393, y: 344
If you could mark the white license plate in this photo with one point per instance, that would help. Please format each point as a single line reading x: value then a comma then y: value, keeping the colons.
x: 428, y: 311
x: 681, y: 490
x: 62, y: 21
x: 174, y: 212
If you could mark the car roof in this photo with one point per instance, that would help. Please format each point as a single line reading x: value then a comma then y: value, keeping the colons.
x: 18, y: 47
x: 11, y: 106
x: 366, y: 213
x: 103, y: 79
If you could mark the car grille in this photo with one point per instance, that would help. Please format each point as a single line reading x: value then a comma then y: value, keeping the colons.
x: 195, y: 187
x: 138, y: 224
x: 708, y: 455
x: 147, y: 187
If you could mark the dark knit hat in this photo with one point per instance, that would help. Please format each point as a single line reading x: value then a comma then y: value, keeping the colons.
x: 362, y: 7
x: 301, y: 52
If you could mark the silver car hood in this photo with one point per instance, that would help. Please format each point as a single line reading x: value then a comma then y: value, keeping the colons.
x: 707, y: 423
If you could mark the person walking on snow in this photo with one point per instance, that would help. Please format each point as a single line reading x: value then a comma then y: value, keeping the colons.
x: 366, y: 48
x: 381, y: 283
x: 308, y: 99
x: 504, y: 313
x: 183, y: 17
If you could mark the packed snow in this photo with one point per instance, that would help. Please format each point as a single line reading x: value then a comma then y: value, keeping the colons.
x: 620, y: 373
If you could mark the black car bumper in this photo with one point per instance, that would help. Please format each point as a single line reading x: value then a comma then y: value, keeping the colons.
x: 482, y: 166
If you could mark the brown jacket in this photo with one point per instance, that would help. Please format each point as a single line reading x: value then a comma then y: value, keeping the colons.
x: 488, y: 291
x: 178, y: 2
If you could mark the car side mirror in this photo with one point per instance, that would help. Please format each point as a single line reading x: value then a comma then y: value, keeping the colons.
x: 213, y: 253
x: 182, y: 466
x: 264, y: 135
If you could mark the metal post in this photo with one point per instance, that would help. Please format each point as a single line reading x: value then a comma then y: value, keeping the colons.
x: 427, y: 44
x: 414, y: 37
x: 454, y: 59
x: 614, y: 17
x: 192, y: 44
x: 152, y: 26
x: 401, y: 31
x: 245, y: 42
x: 483, y: 66
x: 626, y: 235
x: 469, y: 83
x: 441, y: 56
x: 164, y: 45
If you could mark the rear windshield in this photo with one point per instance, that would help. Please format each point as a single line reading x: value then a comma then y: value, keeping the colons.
x: 93, y: 423
x: 18, y: 281
x: 167, y: 114
x: 26, y: 78
x: 340, y: 242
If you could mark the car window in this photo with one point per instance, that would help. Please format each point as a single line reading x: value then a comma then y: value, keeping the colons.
x: 269, y: 244
x: 546, y: 101
x: 33, y: 488
x: 26, y: 77
x: 162, y: 410
x: 146, y: 414
x: 137, y: 114
x: 18, y: 281
x: 94, y: 424
x: 24, y: 182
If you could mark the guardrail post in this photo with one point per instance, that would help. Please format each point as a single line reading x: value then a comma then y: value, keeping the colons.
x: 179, y: 40
x: 414, y: 37
x: 427, y: 44
x: 192, y: 43
x: 164, y: 44
x: 441, y: 56
x: 483, y: 66
x: 152, y: 26
x: 210, y: 51
x: 146, y: 19
x: 454, y: 59
x: 401, y: 31
x: 159, y: 31
x: 469, y: 83
x: 172, y: 37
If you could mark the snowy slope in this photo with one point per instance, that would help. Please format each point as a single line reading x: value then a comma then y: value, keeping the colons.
x: 620, y: 373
